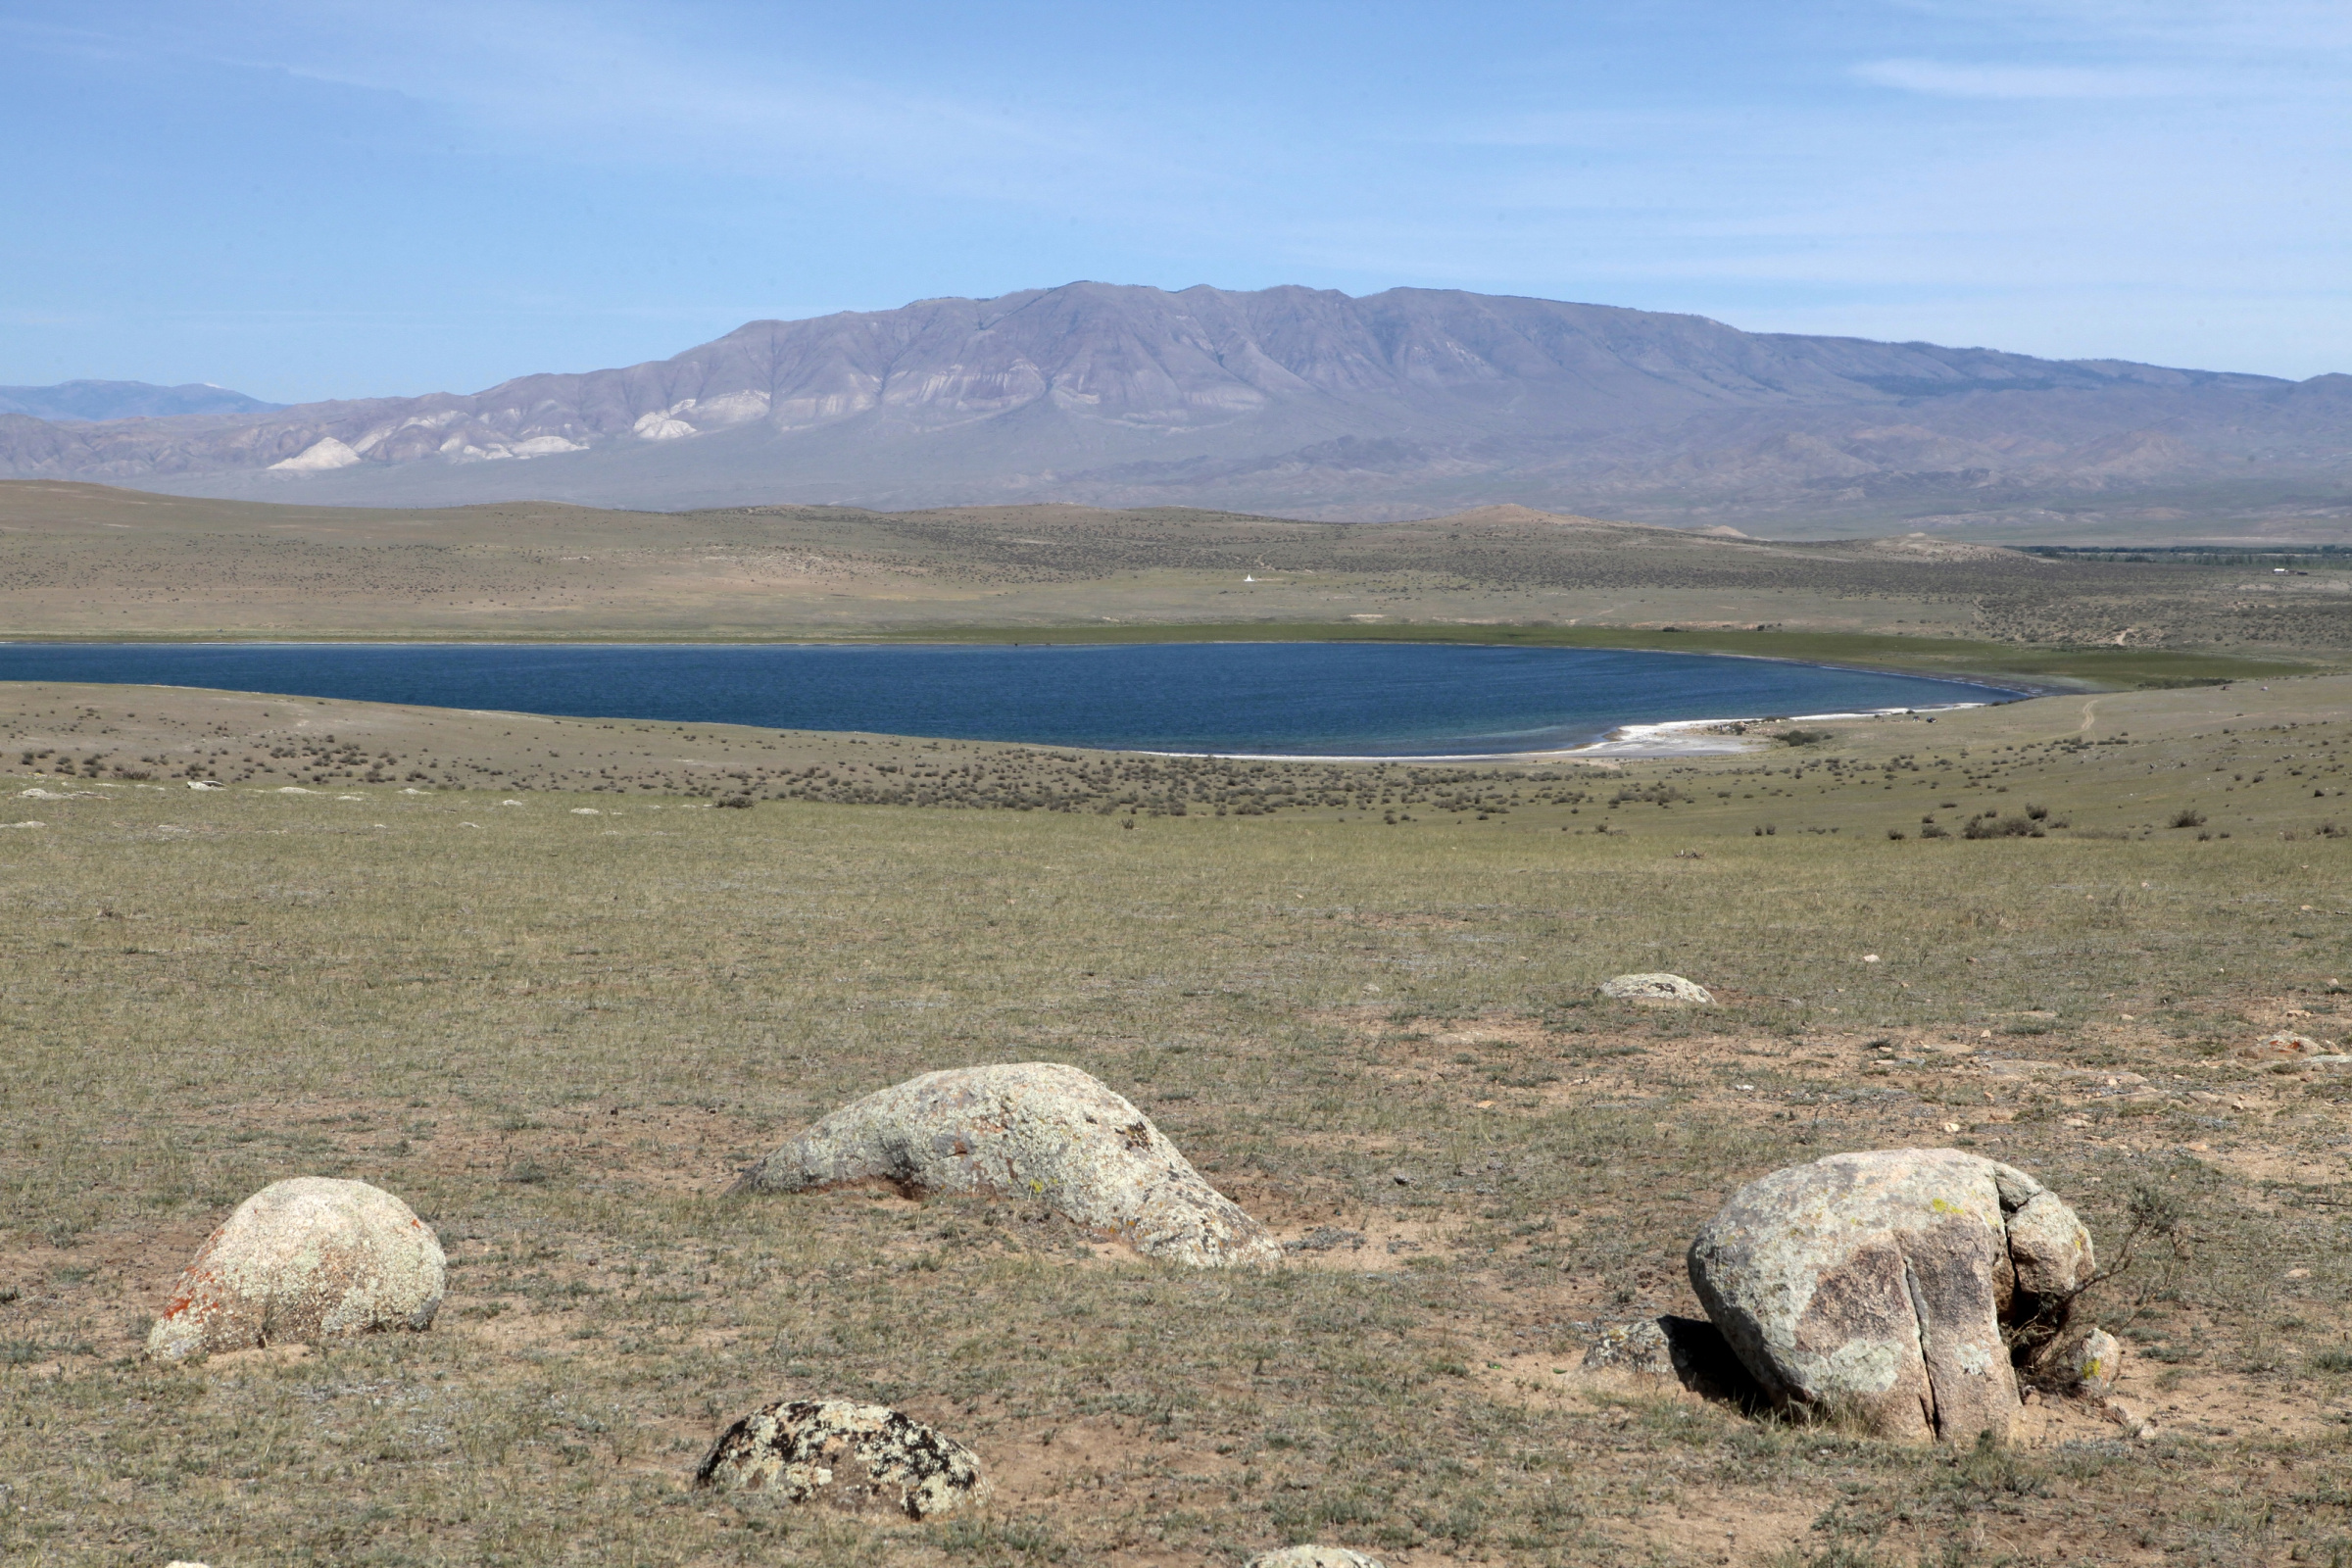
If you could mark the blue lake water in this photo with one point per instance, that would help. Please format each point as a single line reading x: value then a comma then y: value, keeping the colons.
x: 1299, y: 698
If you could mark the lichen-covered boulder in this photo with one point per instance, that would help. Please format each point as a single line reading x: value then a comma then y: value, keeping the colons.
x: 304, y: 1260
x: 1314, y: 1557
x: 1666, y: 987
x: 846, y: 1456
x: 1033, y: 1129
x: 1877, y: 1286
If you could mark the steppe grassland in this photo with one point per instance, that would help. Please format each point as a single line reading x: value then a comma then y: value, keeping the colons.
x: 558, y: 1033
x: 85, y: 561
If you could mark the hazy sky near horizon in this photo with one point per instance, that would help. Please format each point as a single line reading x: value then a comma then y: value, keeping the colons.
x: 331, y: 199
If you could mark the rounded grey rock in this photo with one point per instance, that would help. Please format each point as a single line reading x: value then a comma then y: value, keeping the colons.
x: 1314, y: 1557
x: 846, y: 1456
x: 1876, y: 1287
x: 303, y: 1260
x: 1036, y: 1130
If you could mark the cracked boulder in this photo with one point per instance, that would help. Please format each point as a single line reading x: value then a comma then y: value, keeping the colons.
x: 1654, y: 987
x: 855, y: 1458
x: 1032, y: 1130
x: 302, y: 1261
x: 1877, y: 1286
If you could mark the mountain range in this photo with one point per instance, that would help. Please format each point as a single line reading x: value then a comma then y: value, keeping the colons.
x: 127, y: 400
x: 1304, y: 403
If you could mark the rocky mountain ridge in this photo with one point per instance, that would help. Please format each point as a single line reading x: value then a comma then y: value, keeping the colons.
x: 1303, y: 402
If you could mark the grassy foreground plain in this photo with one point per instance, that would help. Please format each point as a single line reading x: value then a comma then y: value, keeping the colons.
x: 555, y: 1005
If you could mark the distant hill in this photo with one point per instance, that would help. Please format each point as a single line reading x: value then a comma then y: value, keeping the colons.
x: 1312, y: 404
x: 125, y: 400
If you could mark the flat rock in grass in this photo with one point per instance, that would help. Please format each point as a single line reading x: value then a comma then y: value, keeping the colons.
x: 301, y: 1262
x: 1654, y: 987
x: 2284, y: 1046
x: 1876, y: 1287
x: 855, y: 1458
x: 1035, y: 1130
x: 1314, y: 1557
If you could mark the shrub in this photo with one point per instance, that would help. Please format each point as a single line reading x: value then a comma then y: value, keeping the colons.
x: 2038, y: 812
x: 2005, y: 827
x: 1931, y: 831
x: 1804, y: 737
x: 2188, y: 817
x: 1897, y: 834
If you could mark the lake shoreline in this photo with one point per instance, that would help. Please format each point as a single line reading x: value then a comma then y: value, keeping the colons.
x: 1289, y: 702
x: 2026, y: 671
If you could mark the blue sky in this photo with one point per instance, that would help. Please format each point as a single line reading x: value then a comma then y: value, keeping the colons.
x: 324, y: 199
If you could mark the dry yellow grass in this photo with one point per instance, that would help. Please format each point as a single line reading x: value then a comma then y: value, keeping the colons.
x: 92, y: 561
x: 557, y: 1034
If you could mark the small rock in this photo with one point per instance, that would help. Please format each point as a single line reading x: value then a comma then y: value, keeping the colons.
x: 1633, y: 1348
x: 1033, y: 1129
x: 2284, y: 1046
x: 1314, y: 1557
x: 1323, y: 1238
x: 2097, y: 1361
x: 849, y: 1455
x: 1654, y: 987
x: 1400, y: 1177
x: 2129, y: 1417
x: 303, y: 1260
x: 2332, y: 1061
x: 1877, y: 1286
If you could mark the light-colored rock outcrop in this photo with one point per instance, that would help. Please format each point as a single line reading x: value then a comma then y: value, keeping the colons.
x: 2284, y: 1046
x: 303, y: 1260
x: 1666, y: 987
x: 845, y: 1455
x: 1314, y: 1557
x: 1028, y: 1130
x: 1875, y: 1287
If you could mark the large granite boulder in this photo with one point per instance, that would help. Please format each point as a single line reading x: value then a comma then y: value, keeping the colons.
x: 850, y: 1457
x: 1876, y: 1287
x: 1036, y: 1130
x: 303, y: 1260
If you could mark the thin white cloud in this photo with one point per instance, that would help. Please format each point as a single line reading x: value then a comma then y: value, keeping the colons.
x: 1946, y: 79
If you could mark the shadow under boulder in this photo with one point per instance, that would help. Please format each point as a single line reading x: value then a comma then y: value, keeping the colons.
x: 1689, y: 1350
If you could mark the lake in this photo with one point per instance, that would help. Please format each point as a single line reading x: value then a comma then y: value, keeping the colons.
x: 1289, y: 699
